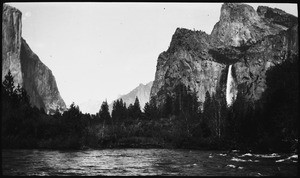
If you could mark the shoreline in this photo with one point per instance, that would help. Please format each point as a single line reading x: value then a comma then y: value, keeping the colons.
x: 146, y: 148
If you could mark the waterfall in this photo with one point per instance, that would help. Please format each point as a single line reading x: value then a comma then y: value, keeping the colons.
x: 229, y: 85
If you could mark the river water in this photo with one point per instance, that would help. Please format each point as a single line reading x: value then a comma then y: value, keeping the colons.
x: 131, y: 162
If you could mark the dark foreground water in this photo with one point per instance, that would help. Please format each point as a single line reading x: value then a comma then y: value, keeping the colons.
x: 146, y: 162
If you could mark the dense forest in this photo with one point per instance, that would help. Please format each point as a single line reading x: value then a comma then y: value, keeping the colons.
x: 267, y: 125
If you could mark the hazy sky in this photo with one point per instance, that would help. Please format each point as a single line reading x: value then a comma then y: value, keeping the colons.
x: 98, y: 51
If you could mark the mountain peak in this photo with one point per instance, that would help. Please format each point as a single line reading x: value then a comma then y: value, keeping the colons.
x: 240, y: 24
x: 142, y: 92
x: 9, y: 8
x: 238, y: 12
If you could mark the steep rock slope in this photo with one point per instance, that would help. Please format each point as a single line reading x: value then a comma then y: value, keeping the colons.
x: 39, y: 81
x: 25, y: 65
x: 250, y: 41
x: 11, y: 42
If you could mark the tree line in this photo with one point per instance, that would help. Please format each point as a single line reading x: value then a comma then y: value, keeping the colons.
x: 180, y: 122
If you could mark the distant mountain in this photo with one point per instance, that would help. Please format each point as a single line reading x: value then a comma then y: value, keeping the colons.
x: 142, y: 92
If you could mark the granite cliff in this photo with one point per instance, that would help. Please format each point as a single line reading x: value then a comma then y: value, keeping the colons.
x: 11, y: 42
x: 246, y: 41
x: 25, y: 66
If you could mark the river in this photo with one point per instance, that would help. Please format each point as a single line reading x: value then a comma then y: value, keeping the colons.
x: 131, y: 162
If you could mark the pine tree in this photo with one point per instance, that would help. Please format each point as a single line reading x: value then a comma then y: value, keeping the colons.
x: 23, y: 96
x: 130, y: 111
x: 154, y: 109
x: 147, y: 110
x: 119, y: 111
x: 134, y: 110
x: 104, y: 112
x: 151, y: 110
x: 57, y: 114
x: 8, y: 84
x: 137, y: 108
x: 207, y: 105
x: 206, y: 131
x: 167, y: 109
x: 16, y: 95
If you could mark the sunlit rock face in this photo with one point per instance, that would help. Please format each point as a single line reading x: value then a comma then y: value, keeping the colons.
x: 189, y: 62
x: 277, y: 17
x: 11, y: 43
x: 39, y: 81
x: 251, y: 41
x: 240, y: 24
x: 25, y: 65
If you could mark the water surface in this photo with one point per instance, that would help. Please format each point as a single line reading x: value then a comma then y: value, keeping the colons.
x: 128, y: 162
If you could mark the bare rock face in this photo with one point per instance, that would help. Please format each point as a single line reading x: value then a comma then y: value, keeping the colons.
x: 277, y: 16
x: 250, y: 41
x: 240, y: 24
x: 272, y: 50
x: 25, y: 65
x: 39, y: 81
x: 187, y: 61
x: 11, y: 43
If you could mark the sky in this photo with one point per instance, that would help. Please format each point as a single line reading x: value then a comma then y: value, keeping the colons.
x: 99, y: 51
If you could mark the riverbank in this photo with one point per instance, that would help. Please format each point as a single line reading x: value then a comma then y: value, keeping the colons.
x: 127, y: 143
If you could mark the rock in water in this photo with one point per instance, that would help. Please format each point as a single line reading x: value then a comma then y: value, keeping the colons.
x: 251, y: 41
x: 25, y: 65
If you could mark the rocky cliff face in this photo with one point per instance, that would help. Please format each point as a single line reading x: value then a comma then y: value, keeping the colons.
x: 142, y: 92
x: 240, y: 24
x: 39, y: 81
x: 251, y: 41
x: 11, y: 42
x: 25, y: 65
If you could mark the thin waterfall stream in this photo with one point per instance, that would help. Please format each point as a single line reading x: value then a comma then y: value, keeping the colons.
x: 229, y: 85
